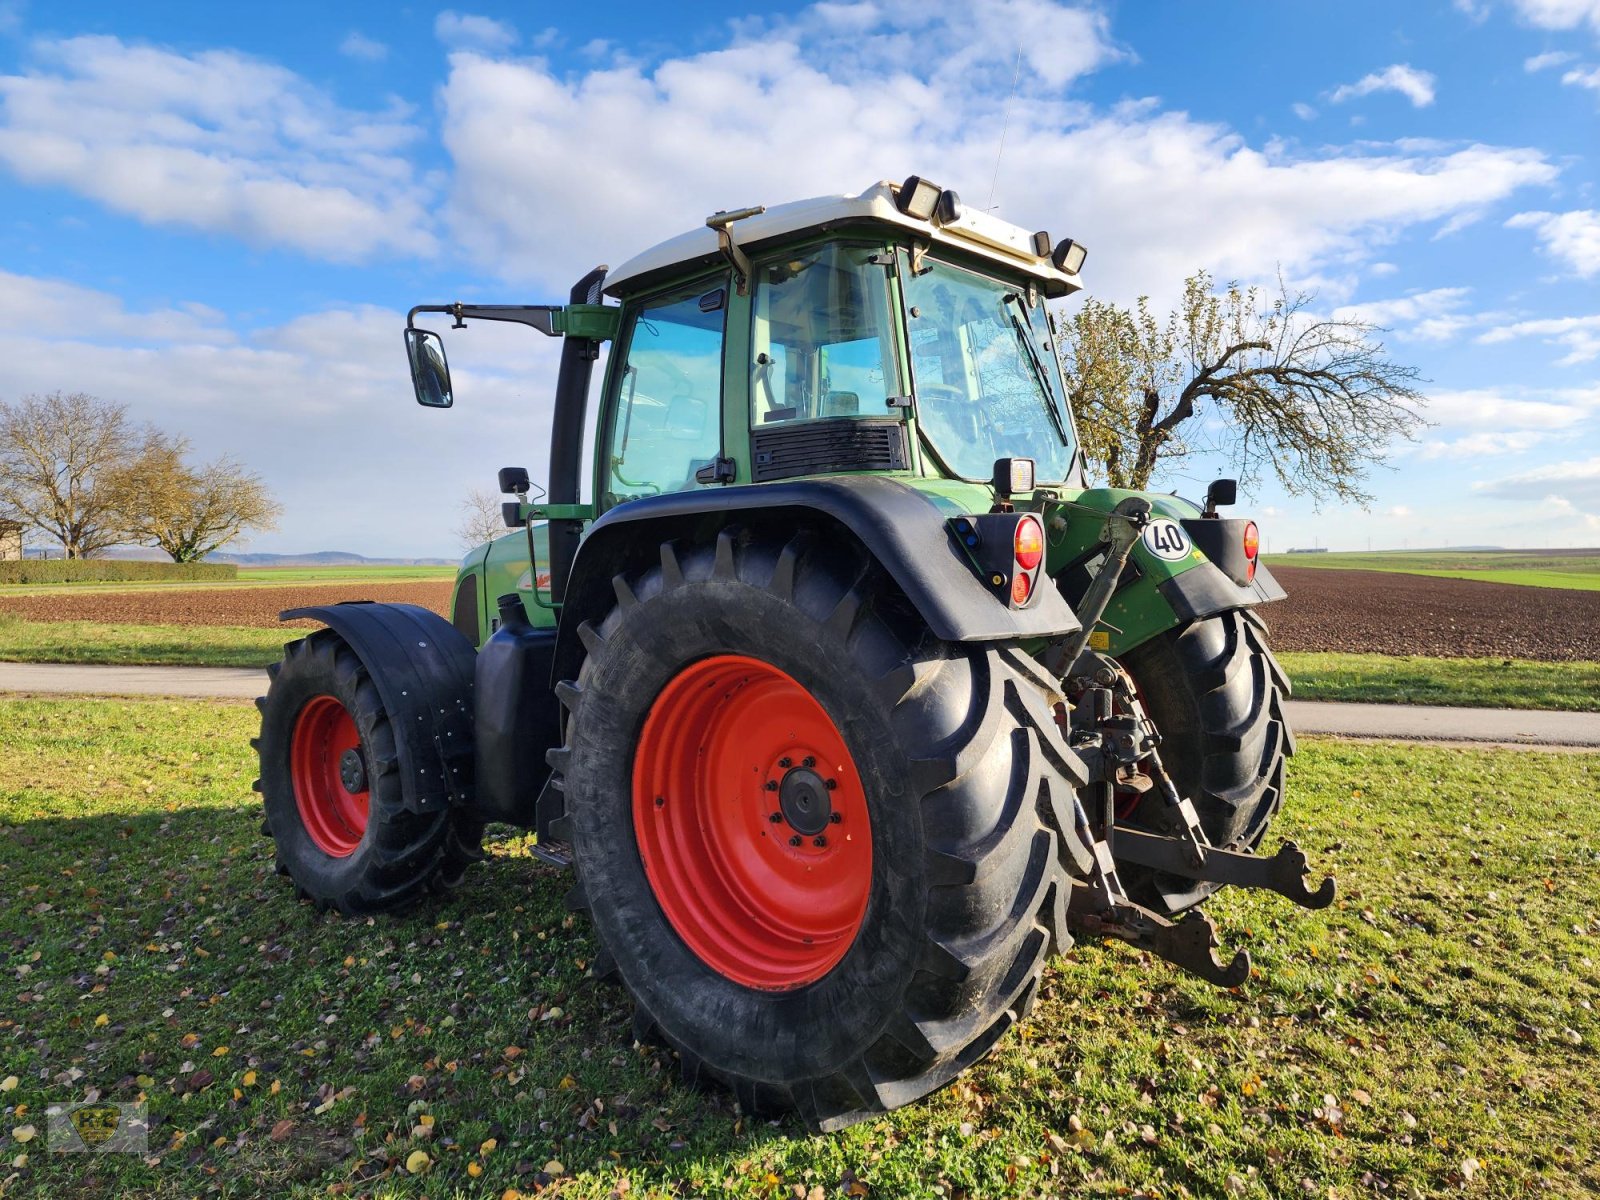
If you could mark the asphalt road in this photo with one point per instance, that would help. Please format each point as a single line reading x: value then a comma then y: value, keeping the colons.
x: 1508, y: 727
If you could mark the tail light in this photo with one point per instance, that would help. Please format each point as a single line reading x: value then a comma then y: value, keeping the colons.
x: 1252, y: 547
x: 1006, y: 550
x: 1028, y: 543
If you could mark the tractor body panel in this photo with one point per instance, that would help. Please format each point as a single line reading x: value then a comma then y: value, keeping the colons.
x: 1169, y: 581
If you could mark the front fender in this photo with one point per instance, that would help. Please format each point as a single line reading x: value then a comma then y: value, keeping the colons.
x: 422, y: 667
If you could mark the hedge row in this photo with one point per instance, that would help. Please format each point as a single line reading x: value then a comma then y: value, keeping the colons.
x: 109, y: 570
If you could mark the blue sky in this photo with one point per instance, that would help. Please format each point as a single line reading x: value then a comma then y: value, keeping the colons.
x: 218, y: 214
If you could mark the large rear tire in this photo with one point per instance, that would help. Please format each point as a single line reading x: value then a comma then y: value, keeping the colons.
x: 838, y: 977
x: 332, y: 794
x: 1216, y: 695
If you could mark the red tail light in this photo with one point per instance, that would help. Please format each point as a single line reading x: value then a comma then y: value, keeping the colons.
x: 1029, y: 547
x: 1021, y: 588
x: 1252, y: 541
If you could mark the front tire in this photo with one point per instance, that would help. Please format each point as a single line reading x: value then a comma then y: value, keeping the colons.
x: 1216, y: 695
x: 334, y: 805
x: 843, y: 979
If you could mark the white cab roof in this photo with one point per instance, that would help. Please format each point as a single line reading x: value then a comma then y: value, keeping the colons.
x: 975, y: 232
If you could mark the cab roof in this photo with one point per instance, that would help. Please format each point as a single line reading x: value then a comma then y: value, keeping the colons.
x: 972, y: 231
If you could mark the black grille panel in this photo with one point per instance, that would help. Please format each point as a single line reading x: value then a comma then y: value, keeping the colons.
x: 839, y: 444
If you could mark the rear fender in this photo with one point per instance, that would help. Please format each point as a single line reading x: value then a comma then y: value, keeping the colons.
x: 898, y: 526
x: 422, y: 667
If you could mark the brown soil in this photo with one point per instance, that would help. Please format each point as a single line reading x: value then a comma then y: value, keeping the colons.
x: 1372, y: 611
x: 1383, y: 613
x: 216, y: 605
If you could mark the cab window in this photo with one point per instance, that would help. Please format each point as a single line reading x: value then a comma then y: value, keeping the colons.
x: 822, y: 342
x: 665, y: 417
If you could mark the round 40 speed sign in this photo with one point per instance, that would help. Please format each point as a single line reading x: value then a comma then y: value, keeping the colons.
x: 1166, y: 540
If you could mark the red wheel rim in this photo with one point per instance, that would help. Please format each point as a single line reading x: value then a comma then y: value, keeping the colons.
x: 760, y: 865
x: 334, y: 815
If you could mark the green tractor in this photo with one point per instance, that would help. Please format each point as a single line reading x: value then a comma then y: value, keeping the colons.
x: 845, y: 698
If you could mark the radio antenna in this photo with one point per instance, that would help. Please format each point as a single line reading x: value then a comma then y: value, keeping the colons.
x: 1005, y: 122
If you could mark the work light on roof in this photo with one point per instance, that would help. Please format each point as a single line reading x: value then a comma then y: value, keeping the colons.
x: 1069, y: 256
x: 918, y: 197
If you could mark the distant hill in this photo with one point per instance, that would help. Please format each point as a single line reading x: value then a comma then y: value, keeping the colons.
x: 327, y: 558
x: 317, y: 558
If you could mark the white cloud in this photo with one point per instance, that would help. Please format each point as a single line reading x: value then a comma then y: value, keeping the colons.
x: 1415, y: 85
x: 358, y: 45
x: 214, y: 141
x: 1433, y: 315
x: 1560, y: 14
x: 1577, y: 482
x: 1304, y: 111
x: 321, y: 405
x: 467, y: 32
x: 1506, y: 408
x: 1483, y: 445
x: 1587, y: 77
x: 1580, y: 335
x: 53, y: 308
x: 1573, y: 237
x: 1552, y: 58
x: 1154, y: 194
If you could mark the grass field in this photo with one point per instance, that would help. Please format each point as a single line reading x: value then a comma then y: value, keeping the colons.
x: 1579, y: 570
x: 251, y: 577
x: 1468, y: 682
x: 1432, y: 1033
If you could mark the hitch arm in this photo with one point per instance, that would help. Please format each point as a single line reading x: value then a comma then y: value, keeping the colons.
x: 1284, y: 873
x: 1190, y: 942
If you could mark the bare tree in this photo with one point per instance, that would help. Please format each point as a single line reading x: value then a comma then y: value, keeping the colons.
x: 56, y: 453
x: 1273, y: 386
x: 188, y: 511
x: 481, y: 520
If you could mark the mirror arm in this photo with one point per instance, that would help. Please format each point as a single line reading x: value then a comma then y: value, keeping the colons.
x: 537, y: 316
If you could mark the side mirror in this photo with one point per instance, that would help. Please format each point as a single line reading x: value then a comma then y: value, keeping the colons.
x: 430, y: 373
x: 515, y: 479
x: 1221, y: 492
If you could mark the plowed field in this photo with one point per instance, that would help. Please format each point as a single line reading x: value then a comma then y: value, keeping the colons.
x: 1380, y: 612
x: 1368, y: 611
x: 216, y: 606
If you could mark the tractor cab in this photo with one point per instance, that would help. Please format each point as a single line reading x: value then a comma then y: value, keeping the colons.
x: 896, y: 332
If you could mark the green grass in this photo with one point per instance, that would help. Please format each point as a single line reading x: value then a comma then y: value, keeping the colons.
x: 1468, y: 682
x: 1445, y: 1005
x: 1574, y: 570
x: 145, y: 645
x: 251, y: 577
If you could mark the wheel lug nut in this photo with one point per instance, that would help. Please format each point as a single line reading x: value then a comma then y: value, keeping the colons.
x: 835, y: 818
x: 775, y: 818
x: 795, y: 840
x: 786, y: 763
x: 830, y: 784
x: 772, y: 785
x: 808, y: 761
x: 819, y: 840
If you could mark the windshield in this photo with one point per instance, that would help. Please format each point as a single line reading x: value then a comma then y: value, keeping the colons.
x: 987, y: 384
